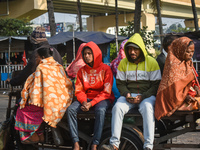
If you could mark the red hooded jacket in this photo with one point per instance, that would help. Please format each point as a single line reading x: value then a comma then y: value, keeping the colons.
x: 94, y: 82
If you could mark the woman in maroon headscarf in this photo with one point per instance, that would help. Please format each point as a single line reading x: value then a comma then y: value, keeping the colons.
x: 179, y: 87
x: 73, y: 68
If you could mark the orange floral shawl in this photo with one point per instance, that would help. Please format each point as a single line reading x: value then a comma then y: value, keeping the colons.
x: 48, y: 87
x: 176, y: 80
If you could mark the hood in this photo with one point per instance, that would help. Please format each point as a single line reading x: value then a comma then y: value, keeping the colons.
x: 136, y: 39
x: 96, y: 53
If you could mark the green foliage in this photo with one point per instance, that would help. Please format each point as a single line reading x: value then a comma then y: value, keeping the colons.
x: 127, y: 31
x: 70, y: 28
x: 182, y: 30
x: 147, y: 38
x: 15, y: 27
x: 64, y: 59
x: 177, y: 28
x: 113, y: 53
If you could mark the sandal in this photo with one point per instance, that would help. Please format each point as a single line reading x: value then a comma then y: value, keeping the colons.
x: 108, y: 147
x: 31, y: 140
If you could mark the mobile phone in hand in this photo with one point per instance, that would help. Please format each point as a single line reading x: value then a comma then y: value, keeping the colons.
x: 131, y: 97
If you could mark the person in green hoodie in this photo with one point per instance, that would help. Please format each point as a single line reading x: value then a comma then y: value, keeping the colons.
x: 138, y: 77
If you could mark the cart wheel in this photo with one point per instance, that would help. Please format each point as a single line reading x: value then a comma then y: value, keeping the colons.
x: 131, y: 139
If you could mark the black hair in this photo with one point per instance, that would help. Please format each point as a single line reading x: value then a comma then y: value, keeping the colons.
x: 84, y: 49
x: 45, y: 51
x: 168, y: 40
x: 191, y: 43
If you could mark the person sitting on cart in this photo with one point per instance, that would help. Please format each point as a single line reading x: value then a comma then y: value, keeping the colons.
x: 179, y: 87
x: 73, y: 68
x: 168, y: 39
x: 93, y: 90
x: 138, y: 77
x: 37, y: 39
x: 45, y: 97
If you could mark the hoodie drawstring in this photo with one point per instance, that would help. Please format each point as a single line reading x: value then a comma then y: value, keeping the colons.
x: 127, y: 71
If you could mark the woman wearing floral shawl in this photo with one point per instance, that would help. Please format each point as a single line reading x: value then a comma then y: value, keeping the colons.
x: 179, y: 87
x: 45, y: 97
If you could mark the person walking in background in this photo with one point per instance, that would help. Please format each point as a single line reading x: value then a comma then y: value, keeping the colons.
x: 93, y: 90
x: 138, y: 77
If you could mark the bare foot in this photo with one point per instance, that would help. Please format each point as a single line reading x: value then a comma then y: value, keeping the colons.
x: 94, y: 147
x: 76, y: 146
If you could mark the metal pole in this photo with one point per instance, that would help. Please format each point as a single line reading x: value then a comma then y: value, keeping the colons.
x: 73, y: 44
x: 195, y: 15
x: 79, y: 14
x: 9, y: 69
x: 9, y: 50
x: 117, y: 49
x: 116, y: 16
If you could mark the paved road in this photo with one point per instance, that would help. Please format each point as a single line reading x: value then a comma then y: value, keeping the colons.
x: 188, y: 138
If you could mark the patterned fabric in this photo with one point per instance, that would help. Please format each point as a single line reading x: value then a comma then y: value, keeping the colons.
x: 73, y: 68
x: 176, y: 80
x: 48, y: 87
x: 28, y: 121
x: 38, y: 35
x: 114, y: 64
x: 94, y: 82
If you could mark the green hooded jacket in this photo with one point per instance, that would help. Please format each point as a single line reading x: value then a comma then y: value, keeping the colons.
x: 142, y: 78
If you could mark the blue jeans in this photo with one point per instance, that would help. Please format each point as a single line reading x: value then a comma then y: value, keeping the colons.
x: 100, y: 110
x: 146, y: 108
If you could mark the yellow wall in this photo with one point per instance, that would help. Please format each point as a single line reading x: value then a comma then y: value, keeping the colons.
x: 24, y: 8
x: 101, y: 23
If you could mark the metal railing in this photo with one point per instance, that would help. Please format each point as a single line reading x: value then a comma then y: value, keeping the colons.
x: 6, y: 72
x: 8, y: 69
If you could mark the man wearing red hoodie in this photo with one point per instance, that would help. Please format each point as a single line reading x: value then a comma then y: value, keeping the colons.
x: 93, y: 90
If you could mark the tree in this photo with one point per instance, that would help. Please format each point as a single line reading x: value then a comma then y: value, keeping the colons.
x: 137, y: 16
x: 79, y: 14
x: 51, y: 17
x: 195, y: 15
x: 156, y: 6
x: 15, y: 27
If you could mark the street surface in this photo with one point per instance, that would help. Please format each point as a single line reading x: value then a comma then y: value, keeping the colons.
x: 188, y: 138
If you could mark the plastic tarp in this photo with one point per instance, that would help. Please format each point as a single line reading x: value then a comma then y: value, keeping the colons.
x: 3, y: 38
x: 96, y: 37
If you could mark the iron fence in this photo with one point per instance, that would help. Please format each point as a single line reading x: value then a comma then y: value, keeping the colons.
x: 6, y: 72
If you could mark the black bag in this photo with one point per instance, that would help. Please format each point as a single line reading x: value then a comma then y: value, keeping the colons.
x: 5, y: 135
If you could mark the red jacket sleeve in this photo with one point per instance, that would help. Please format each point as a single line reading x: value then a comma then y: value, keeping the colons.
x: 106, y: 93
x: 79, y: 89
